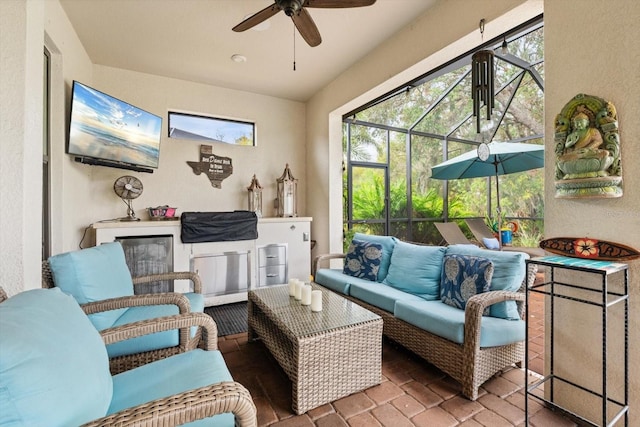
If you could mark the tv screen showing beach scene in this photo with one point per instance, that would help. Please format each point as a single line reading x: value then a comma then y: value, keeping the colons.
x: 106, y: 128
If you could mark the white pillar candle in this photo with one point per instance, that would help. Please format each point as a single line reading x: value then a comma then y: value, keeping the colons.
x: 299, y: 285
x: 316, y: 301
x: 306, y: 294
x: 292, y: 287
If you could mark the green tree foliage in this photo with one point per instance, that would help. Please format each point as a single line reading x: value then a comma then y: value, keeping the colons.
x: 409, y: 133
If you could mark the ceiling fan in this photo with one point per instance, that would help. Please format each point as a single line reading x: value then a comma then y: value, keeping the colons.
x: 301, y: 18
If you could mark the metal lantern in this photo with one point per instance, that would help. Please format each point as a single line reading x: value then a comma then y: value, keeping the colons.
x: 255, y: 196
x: 287, y: 197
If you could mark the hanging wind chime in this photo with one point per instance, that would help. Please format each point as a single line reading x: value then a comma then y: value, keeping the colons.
x: 482, y: 78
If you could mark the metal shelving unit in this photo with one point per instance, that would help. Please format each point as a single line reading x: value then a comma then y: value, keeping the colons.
x: 615, y: 408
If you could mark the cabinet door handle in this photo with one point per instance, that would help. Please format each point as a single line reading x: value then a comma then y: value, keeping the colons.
x: 272, y: 275
x: 272, y: 256
x: 293, y: 227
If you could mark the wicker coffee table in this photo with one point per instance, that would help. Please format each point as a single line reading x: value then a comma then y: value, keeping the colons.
x: 326, y: 355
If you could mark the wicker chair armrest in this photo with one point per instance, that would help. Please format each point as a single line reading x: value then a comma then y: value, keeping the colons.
x: 167, y: 298
x: 474, y: 309
x: 188, y: 406
x: 209, y: 340
x: 176, y: 275
x: 317, y: 261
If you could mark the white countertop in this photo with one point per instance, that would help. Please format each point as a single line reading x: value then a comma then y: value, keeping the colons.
x: 114, y: 223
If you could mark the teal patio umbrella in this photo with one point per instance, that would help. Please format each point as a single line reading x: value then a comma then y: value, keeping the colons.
x: 493, y: 159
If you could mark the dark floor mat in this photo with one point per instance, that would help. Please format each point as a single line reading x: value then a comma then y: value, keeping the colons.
x: 230, y: 318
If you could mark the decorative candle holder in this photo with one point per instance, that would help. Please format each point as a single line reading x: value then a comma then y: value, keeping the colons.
x: 287, y: 194
x: 299, y: 285
x: 316, y: 301
x: 306, y: 294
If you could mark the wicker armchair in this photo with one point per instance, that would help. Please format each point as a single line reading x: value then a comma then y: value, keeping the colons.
x: 186, y: 341
x: 37, y: 320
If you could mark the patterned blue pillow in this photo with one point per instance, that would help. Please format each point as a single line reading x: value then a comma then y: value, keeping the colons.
x: 363, y: 260
x: 464, y: 276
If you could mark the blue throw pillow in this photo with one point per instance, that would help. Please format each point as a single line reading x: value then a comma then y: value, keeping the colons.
x: 491, y: 243
x: 463, y: 277
x: 388, y: 243
x: 416, y: 269
x: 363, y: 260
x: 509, y: 272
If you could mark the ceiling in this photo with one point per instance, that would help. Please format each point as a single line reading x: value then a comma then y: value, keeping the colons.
x: 192, y: 40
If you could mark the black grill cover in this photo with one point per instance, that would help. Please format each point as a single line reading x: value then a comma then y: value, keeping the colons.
x: 198, y: 227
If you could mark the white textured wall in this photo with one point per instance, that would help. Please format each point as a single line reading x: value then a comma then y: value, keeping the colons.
x: 20, y: 139
x: 280, y: 128
x: 591, y: 47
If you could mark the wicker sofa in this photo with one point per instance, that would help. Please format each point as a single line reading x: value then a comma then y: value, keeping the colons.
x: 467, y: 345
x: 54, y: 371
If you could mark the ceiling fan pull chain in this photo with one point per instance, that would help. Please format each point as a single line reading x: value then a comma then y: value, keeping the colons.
x: 294, y: 47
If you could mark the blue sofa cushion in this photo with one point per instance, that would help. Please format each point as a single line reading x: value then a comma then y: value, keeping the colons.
x: 448, y: 322
x: 380, y: 295
x: 388, y: 243
x: 333, y: 279
x: 190, y: 370
x: 94, y: 274
x: 153, y: 341
x: 363, y: 260
x: 463, y: 277
x: 416, y: 269
x: 54, y: 369
x: 508, y: 274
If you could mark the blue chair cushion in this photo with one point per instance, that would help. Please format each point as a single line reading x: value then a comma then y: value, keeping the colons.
x: 94, y: 274
x: 153, y: 341
x: 508, y: 274
x: 416, y: 269
x: 190, y: 370
x: 363, y: 260
x: 380, y: 295
x: 333, y: 279
x: 448, y: 322
x: 54, y: 369
x: 388, y: 243
x: 463, y: 277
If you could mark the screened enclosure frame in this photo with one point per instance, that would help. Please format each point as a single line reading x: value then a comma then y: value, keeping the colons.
x: 521, y: 74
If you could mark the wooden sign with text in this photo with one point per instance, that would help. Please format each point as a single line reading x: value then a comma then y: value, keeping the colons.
x: 216, y: 168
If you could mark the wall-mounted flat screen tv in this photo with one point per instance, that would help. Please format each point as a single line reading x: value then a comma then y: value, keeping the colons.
x: 106, y: 131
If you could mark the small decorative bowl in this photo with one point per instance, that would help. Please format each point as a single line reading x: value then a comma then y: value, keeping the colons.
x: 162, y: 212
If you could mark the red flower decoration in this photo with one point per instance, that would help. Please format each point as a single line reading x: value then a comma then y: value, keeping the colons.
x: 586, y: 248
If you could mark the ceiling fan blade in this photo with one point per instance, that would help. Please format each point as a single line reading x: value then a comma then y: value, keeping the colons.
x: 257, y: 18
x: 307, y: 28
x: 338, y: 3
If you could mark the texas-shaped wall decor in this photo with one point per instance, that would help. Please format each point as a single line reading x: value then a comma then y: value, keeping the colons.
x: 216, y: 168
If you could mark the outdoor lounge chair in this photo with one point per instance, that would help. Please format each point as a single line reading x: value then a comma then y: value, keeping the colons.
x: 54, y: 371
x: 452, y: 233
x: 481, y: 231
x: 99, y: 279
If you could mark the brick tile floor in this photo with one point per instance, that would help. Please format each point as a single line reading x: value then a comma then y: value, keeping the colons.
x: 412, y: 392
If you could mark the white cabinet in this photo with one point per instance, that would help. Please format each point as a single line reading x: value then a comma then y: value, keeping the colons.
x: 295, y: 233
x: 282, y: 250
